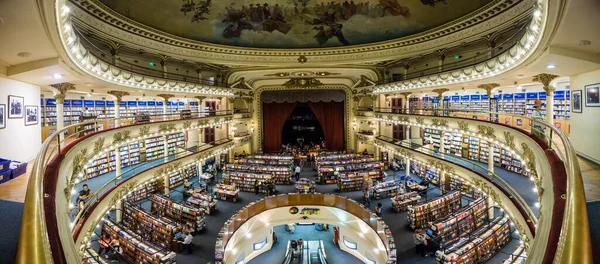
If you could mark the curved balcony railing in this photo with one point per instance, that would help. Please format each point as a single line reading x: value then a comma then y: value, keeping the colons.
x: 36, y: 245
x: 572, y: 243
x: 475, y: 167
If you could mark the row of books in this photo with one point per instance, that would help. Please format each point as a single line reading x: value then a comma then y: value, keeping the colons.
x: 157, y: 230
x: 387, y: 189
x: 182, y: 212
x: 402, y: 201
x: 460, y: 223
x: 421, y: 214
x: 226, y: 192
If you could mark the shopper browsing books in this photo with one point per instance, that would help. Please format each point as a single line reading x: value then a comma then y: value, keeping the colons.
x: 104, y: 242
x: 419, y: 240
x: 538, y: 130
x: 379, y: 210
x: 188, y: 242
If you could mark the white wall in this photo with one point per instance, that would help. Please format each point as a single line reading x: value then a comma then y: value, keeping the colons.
x: 17, y: 141
x: 585, y: 126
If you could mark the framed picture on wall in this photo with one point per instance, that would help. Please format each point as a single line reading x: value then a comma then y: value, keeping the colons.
x: 592, y: 95
x: 31, y: 115
x: 576, y: 101
x: 16, y: 106
x: 2, y: 116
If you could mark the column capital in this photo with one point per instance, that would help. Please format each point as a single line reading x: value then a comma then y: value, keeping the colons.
x: 441, y: 54
x: 163, y: 59
x: 200, y: 98
x: 545, y: 79
x: 488, y: 87
x: 119, y: 95
x: 60, y: 98
x: 165, y: 96
x: 63, y: 87
x: 440, y: 92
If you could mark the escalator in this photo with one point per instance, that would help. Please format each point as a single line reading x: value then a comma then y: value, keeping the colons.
x: 311, y: 253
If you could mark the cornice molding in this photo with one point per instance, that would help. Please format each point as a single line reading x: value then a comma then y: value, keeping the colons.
x: 109, y: 24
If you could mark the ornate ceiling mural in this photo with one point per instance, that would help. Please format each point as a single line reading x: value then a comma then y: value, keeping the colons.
x: 293, y: 23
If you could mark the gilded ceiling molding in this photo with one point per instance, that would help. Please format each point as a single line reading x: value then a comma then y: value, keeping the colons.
x: 499, y: 13
x: 302, y: 82
x: 165, y: 97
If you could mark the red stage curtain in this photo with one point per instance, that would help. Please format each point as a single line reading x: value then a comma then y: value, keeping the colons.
x: 331, y: 117
x: 274, y: 117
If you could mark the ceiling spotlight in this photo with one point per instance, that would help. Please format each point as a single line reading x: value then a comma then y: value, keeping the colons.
x: 89, y: 94
x: 551, y: 66
x: 57, y: 76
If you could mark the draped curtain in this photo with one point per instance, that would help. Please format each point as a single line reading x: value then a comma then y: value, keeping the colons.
x: 274, y: 117
x: 331, y: 118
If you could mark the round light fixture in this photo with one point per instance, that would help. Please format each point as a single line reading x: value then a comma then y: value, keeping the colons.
x: 584, y: 42
x: 24, y: 54
x: 57, y: 76
x: 551, y: 66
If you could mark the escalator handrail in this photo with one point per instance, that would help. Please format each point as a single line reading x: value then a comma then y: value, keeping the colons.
x: 288, y: 253
x: 322, y: 256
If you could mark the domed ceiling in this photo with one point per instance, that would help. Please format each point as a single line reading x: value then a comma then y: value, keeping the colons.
x: 293, y: 23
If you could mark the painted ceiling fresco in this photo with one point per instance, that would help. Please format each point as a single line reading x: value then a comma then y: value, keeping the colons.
x: 293, y: 23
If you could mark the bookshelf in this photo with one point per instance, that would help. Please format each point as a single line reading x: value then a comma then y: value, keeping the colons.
x: 260, y: 161
x: 282, y: 173
x: 475, y: 103
x: 457, y: 184
x: 424, y: 171
x: 420, y: 214
x: 175, y: 141
x: 245, y: 181
x: 146, y: 191
x: 387, y: 189
x: 460, y: 223
x: 177, y: 177
x: 154, y: 148
x: 506, y: 105
x: 351, y: 181
x: 226, y: 192
x: 135, y: 250
x: 480, y: 246
x: 401, y: 202
x: 159, y: 231
x: 455, y: 102
x: 177, y: 211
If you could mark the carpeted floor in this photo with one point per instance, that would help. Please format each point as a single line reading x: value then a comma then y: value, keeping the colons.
x: 10, y: 222
x: 594, y: 214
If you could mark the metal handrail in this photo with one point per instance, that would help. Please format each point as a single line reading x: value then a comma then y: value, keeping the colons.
x: 33, y: 224
x: 482, y: 171
x: 575, y: 244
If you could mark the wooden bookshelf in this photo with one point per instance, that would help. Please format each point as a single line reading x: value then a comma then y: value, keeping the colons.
x: 387, y: 189
x: 177, y: 211
x: 159, y: 231
x: 421, y: 214
x: 460, y: 223
x: 401, y: 202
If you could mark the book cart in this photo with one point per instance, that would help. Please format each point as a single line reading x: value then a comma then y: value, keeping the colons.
x: 460, y: 223
x: 157, y: 230
x: 226, y: 192
x: 182, y: 212
x: 422, y: 213
x: 136, y: 250
x: 402, y: 201
x: 480, y: 246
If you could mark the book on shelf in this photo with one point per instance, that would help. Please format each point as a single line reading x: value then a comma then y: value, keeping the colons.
x: 246, y: 181
x: 201, y: 198
x: 305, y: 185
x: 387, y: 189
x: 421, y: 214
x: 226, y: 192
x: 146, y: 191
x: 182, y: 212
x: 135, y: 249
x: 459, y: 223
x: 480, y: 246
x: 351, y: 181
x: 159, y: 231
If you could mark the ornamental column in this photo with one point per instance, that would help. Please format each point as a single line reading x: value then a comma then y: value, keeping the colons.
x: 166, y: 98
x: 200, y: 106
x: 441, y: 57
x: 119, y: 95
x: 440, y: 93
x: 59, y: 95
x: 407, y: 170
x: 442, y: 139
x: 491, y: 203
x: 406, y: 104
x: 490, y: 157
x: 165, y: 148
x: 163, y: 63
x: 167, y: 183
x: 119, y: 210
x: 545, y: 79
x: 488, y: 87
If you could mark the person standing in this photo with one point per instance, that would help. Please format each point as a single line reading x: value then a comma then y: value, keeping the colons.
x: 366, y: 196
x: 379, y: 210
x: 256, y: 187
x: 419, y: 240
x: 537, y: 115
x: 298, y: 170
x: 188, y: 242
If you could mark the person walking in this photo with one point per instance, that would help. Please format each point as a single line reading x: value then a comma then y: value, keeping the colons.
x: 379, y: 210
x: 298, y: 170
x: 419, y: 240
x: 256, y: 187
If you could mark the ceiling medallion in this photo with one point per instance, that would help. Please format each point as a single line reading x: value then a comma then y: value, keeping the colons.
x: 302, y: 82
x: 302, y: 59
